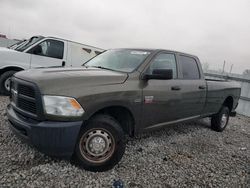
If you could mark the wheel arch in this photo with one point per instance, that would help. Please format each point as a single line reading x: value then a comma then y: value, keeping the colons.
x: 122, y: 114
x: 11, y: 68
x: 229, y: 101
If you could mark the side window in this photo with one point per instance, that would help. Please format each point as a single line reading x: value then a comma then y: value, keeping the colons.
x: 50, y: 48
x: 164, y: 61
x: 190, y: 68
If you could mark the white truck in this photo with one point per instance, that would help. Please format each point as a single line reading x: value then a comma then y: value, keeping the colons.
x: 41, y: 52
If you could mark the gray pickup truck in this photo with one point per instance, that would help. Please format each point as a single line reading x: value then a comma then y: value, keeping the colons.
x: 85, y: 113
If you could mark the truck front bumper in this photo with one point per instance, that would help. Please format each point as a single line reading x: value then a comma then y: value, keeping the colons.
x: 50, y: 137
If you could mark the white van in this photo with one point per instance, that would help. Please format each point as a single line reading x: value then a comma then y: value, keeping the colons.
x: 40, y: 52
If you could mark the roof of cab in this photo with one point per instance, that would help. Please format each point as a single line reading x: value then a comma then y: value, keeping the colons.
x: 158, y: 50
x: 76, y: 43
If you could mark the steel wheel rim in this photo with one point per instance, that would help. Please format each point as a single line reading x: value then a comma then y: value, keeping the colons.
x: 7, y: 84
x: 224, y: 119
x: 97, y: 145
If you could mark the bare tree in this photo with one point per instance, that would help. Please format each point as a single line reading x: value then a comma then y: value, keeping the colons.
x: 246, y: 73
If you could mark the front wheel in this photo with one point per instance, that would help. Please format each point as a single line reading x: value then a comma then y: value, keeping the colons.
x: 220, y: 120
x: 100, y: 144
x: 5, y: 82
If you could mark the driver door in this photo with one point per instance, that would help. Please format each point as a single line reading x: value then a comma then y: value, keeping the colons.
x: 48, y: 53
x: 162, y: 98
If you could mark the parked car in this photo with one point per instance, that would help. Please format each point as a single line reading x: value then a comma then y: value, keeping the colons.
x: 16, y: 45
x: 39, y: 52
x: 85, y: 112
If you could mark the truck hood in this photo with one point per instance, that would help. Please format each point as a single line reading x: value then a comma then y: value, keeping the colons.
x: 62, y: 81
x: 4, y: 50
x: 12, y: 57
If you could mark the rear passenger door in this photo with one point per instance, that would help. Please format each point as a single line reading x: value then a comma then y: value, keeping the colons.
x: 193, y: 87
x: 48, y: 53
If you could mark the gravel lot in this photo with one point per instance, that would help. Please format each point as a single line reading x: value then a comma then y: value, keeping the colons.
x: 184, y: 155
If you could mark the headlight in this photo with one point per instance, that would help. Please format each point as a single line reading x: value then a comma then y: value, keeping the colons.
x: 62, y: 106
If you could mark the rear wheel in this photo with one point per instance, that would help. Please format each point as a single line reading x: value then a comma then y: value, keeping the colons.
x: 100, y: 144
x: 220, y: 120
x: 5, y: 82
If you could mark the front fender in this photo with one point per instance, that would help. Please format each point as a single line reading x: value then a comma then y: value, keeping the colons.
x: 12, y: 58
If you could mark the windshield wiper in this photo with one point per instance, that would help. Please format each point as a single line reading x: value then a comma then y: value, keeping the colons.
x: 100, y: 67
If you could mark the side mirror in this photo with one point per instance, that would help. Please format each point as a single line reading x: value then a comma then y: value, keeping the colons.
x: 37, y: 50
x: 159, y: 74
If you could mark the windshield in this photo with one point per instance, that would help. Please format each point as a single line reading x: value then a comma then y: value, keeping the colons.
x: 122, y: 60
x: 28, y: 43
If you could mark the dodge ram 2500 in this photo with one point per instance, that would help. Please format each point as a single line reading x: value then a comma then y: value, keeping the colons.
x: 85, y: 112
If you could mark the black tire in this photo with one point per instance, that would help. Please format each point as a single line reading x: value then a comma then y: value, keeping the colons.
x: 85, y: 146
x: 3, y: 78
x: 220, y: 120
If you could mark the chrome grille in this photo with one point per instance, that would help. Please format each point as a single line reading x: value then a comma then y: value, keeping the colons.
x: 29, y: 106
x: 23, y: 97
x: 26, y: 90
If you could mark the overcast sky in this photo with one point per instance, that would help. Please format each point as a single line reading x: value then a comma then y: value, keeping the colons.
x: 214, y: 30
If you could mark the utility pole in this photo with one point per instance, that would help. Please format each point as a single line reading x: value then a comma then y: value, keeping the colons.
x: 223, y: 66
x: 231, y: 68
x: 8, y: 36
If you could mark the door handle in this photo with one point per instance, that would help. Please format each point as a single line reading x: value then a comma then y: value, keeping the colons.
x: 175, y: 88
x: 202, y: 87
x: 63, y: 63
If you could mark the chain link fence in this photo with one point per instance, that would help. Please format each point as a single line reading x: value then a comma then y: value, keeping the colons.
x: 244, y: 80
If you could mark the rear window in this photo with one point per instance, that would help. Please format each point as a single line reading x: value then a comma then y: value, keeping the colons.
x: 190, y: 70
